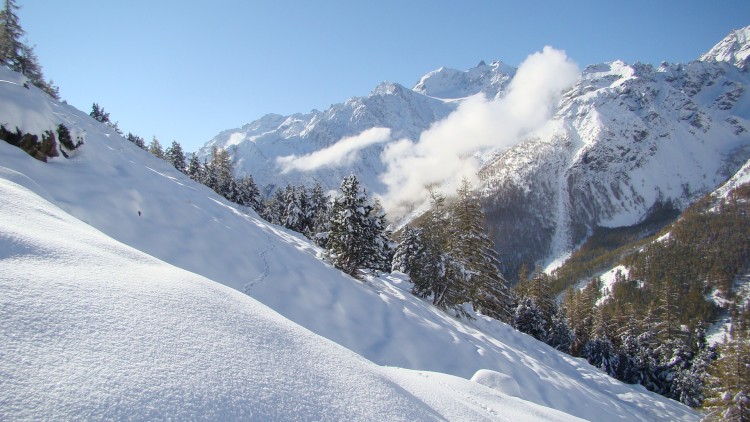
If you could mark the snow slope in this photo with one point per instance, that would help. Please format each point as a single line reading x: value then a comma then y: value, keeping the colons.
x: 109, y: 181
x: 94, y: 329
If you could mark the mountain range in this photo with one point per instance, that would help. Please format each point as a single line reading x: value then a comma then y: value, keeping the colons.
x: 621, y: 141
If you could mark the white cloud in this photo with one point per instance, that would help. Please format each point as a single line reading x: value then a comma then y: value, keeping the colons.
x: 443, y: 155
x: 343, y: 152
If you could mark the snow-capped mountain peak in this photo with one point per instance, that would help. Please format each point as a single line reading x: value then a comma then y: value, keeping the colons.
x: 733, y: 49
x: 449, y: 84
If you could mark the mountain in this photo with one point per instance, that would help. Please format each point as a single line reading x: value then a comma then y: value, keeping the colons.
x: 125, y: 284
x: 624, y: 140
x: 257, y: 146
x: 734, y: 49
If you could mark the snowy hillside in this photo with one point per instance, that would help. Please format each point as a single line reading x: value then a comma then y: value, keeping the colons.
x: 97, y: 330
x: 142, y: 202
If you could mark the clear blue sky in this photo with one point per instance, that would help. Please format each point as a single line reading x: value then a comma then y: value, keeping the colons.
x: 185, y: 70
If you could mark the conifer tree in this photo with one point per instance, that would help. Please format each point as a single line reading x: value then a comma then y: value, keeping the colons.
x: 538, y: 289
x: 219, y: 174
x: 176, y: 156
x: 728, y: 397
x: 471, y: 247
x: 600, y: 350
x: 274, y: 208
x: 380, y: 252
x: 137, y: 140
x: 248, y: 195
x: 630, y: 369
x: 689, y: 383
x: 294, y: 216
x: 195, y: 169
x: 445, y: 278
x: 17, y: 55
x: 528, y: 319
x: 11, y: 46
x: 98, y: 113
x: 667, y: 325
x: 560, y: 335
x: 348, y: 236
x: 318, y: 216
x: 154, y: 147
x: 408, y: 252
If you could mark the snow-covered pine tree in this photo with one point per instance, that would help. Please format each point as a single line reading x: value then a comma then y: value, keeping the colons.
x: 630, y: 349
x: 648, y: 360
x: 176, y: 156
x: 417, y: 257
x: 347, y: 239
x: 408, y: 252
x: 445, y: 278
x: 528, y: 319
x: 220, y: 174
x: 195, y: 169
x: 539, y: 289
x: 293, y: 217
x: 319, y: 216
x: 474, y: 251
x: 689, y: 384
x: 248, y: 193
x: 560, y: 336
x: 380, y: 252
x: 579, y: 306
x: 273, y: 208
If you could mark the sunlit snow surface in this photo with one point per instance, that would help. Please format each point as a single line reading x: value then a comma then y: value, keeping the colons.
x: 96, y: 329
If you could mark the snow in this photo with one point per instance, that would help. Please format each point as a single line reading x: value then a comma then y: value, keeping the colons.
x: 97, y: 330
x: 721, y: 328
x: 740, y: 178
x: 733, y: 49
x: 83, y: 286
x: 608, y: 279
